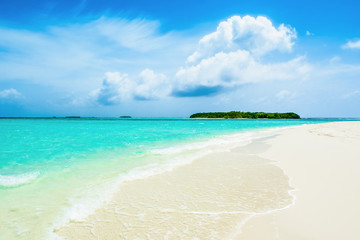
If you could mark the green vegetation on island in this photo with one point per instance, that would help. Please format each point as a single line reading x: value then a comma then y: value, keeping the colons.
x: 252, y: 115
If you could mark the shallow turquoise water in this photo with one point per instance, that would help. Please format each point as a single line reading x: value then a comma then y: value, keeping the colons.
x: 44, y: 145
x: 48, y: 164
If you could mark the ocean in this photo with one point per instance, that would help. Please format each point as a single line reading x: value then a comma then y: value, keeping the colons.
x: 60, y: 169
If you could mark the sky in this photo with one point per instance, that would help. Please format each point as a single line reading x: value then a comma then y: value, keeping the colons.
x: 152, y: 58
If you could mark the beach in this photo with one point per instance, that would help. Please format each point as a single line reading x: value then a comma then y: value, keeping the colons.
x: 323, y: 164
x: 190, y: 120
x: 55, y: 171
x: 296, y: 183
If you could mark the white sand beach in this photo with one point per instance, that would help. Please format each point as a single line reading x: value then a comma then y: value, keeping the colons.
x: 302, y: 183
x: 323, y: 162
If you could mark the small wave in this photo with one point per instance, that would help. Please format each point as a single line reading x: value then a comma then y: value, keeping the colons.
x: 16, y: 180
x: 228, y: 140
x: 238, y: 139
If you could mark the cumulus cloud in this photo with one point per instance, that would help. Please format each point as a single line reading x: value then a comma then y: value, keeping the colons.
x: 229, y: 70
x: 255, y: 35
x: 10, y: 94
x: 233, y: 55
x: 352, y: 45
x: 117, y: 88
x: 152, y: 86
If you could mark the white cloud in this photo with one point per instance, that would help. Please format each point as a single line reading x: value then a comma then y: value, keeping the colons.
x: 256, y: 35
x: 10, y: 94
x: 229, y: 57
x: 72, y: 54
x: 352, y: 45
x: 117, y: 88
x: 236, y: 68
x: 224, y: 59
x: 67, y: 56
x: 138, y: 34
x: 152, y: 85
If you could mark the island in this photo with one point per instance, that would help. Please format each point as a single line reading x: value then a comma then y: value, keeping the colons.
x: 252, y: 115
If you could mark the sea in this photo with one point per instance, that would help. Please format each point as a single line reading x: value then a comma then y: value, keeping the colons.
x: 56, y: 170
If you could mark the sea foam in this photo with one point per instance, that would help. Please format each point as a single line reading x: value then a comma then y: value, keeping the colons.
x: 17, y: 180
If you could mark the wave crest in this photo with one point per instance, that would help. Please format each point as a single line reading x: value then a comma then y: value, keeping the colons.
x: 16, y: 180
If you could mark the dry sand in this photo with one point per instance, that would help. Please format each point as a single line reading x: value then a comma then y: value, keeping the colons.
x: 240, y: 194
x: 323, y: 162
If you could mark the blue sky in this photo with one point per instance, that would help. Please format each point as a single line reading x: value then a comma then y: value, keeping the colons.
x: 174, y: 58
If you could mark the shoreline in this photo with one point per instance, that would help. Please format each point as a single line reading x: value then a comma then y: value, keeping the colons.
x: 213, y: 149
x: 85, y: 182
x: 190, y: 152
x: 243, y: 228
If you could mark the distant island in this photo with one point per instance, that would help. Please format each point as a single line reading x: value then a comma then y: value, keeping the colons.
x: 252, y: 115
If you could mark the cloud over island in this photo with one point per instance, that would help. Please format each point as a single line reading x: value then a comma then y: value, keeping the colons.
x: 225, y: 59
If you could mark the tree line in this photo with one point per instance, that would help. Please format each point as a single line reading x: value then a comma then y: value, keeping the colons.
x: 252, y: 115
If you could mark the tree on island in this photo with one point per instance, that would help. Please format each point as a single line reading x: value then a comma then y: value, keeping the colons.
x: 252, y: 115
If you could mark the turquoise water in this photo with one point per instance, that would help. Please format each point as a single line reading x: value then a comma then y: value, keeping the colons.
x: 48, y: 166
